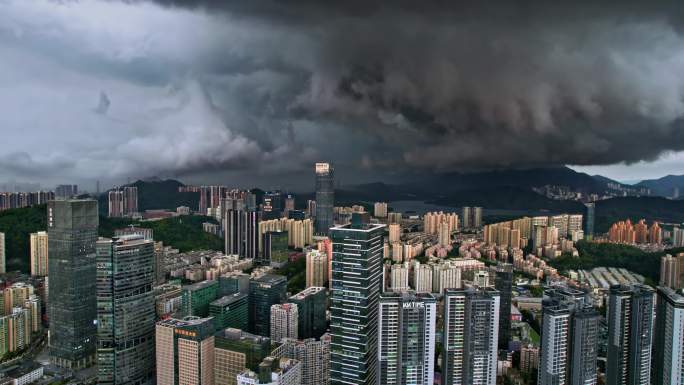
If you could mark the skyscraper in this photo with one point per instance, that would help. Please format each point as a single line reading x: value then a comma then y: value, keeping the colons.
x: 241, y: 229
x: 3, y: 254
x: 470, y: 337
x: 130, y: 200
x: 236, y: 350
x: 589, y: 224
x: 311, y: 320
x: 504, y: 285
x: 125, y: 310
x: 356, y: 284
x: 569, y: 338
x: 630, y: 334
x: 66, y: 191
x: 284, y: 321
x: 115, y: 199
x: 406, y: 338
x: 233, y: 226
x: 264, y: 292
x: 325, y: 197
x: 185, y: 351
x: 314, y: 356
x: 72, y: 302
x: 668, y: 356
x: 39, y: 253
x: 316, y: 268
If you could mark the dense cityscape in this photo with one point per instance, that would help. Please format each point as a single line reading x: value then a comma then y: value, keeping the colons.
x: 344, y: 192
x: 309, y: 292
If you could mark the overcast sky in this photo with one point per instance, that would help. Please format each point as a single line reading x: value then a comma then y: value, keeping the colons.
x: 254, y: 92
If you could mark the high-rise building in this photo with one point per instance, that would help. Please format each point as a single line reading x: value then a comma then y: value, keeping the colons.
x: 677, y: 236
x: 272, y: 371
x: 466, y: 217
x: 325, y: 197
x: 3, y: 254
x: 503, y: 283
x: 589, y: 224
x: 196, y: 298
x: 314, y: 356
x: 72, y: 303
x: 125, y: 310
x: 316, y: 269
x: 185, y: 351
x: 39, y: 253
x: 630, y: 334
x: 668, y: 343
x: 284, y: 321
x: 235, y: 350
x: 130, y: 200
x: 234, y: 225
x: 529, y: 358
x: 230, y: 311
x: 380, y: 210
x: 310, y: 304
x: 394, y: 233
x: 669, y: 271
x: 570, y: 333
x: 406, y: 338
x: 276, y: 252
x: 264, y: 292
x: 471, y: 217
x: 66, y: 191
x: 444, y: 234
x: 356, y: 284
x: 311, y: 208
x: 470, y: 337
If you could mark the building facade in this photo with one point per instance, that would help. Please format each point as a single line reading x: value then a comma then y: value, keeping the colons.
x: 470, y: 337
x: 325, y: 197
x: 630, y: 334
x: 185, y: 351
x: 125, y: 310
x: 569, y: 338
x: 72, y: 301
x: 356, y: 284
x: 668, y: 342
x: 406, y: 339
x: 264, y: 292
x: 39, y: 253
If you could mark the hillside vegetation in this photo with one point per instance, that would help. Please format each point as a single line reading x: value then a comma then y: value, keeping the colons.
x: 593, y: 255
x: 184, y: 233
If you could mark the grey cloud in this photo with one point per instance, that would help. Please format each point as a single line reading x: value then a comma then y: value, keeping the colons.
x: 268, y: 87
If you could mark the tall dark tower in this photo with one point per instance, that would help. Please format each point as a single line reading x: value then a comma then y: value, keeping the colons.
x: 356, y: 284
x: 325, y: 197
x: 72, y: 304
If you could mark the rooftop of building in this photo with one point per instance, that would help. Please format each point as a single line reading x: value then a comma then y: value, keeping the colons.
x: 269, y: 278
x: 187, y: 321
x: 408, y: 295
x: 199, y: 285
x: 228, y: 299
x: 241, y: 335
x: 307, y: 292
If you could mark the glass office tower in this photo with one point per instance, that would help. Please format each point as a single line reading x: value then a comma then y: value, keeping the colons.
x: 325, y: 197
x: 125, y: 310
x: 356, y: 284
x: 72, y: 233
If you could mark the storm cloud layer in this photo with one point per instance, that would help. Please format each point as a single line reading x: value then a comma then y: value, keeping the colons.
x: 113, y: 89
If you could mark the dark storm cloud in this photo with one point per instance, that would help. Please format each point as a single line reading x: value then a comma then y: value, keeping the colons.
x: 268, y: 87
x: 452, y: 85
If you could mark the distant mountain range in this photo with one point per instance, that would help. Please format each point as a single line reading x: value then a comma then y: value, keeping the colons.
x: 664, y: 186
x: 154, y: 193
x: 507, y: 189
